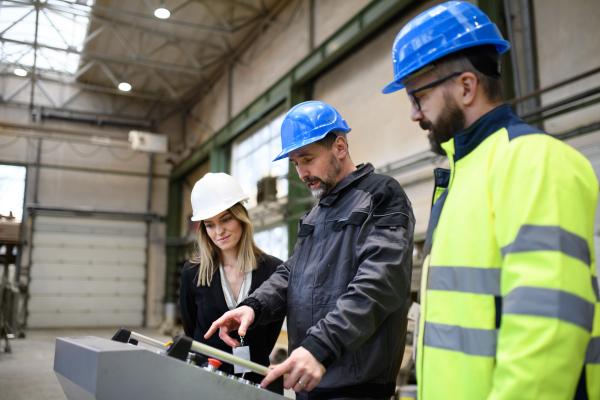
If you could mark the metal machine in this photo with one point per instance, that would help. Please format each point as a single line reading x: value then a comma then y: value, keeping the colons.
x: 94, y: 368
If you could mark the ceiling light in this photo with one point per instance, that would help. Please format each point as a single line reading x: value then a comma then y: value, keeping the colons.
x: 124, y: 86
x: 162, y: 13
x: 20, y: 72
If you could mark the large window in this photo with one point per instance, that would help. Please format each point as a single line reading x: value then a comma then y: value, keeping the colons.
x: 273, y: 242
x: 252, y: 159
x: 12, y: 190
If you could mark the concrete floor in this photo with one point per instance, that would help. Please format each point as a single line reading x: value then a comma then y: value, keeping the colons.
x: 27, y: 373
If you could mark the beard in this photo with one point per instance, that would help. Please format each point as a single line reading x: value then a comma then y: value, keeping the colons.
x: 449, y: 123
x: 329, y: 182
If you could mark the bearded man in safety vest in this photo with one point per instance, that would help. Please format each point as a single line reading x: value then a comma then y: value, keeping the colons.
x: 509, y: 290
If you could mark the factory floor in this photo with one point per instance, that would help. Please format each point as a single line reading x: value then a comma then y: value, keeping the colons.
x: 27, y: 373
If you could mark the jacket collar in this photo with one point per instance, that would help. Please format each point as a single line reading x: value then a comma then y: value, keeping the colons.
x: 467, y: 140
x: 259, y: 275
x: 361, y: 171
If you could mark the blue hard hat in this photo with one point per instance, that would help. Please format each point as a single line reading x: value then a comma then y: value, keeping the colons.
x: 441, y: 30
x: 307, y: 123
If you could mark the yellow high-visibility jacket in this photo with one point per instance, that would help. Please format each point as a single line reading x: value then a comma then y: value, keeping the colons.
x: 509, y: 295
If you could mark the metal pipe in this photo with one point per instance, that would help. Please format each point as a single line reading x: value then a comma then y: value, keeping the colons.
x: 147, y: 340
x: 229, y: 358
x: 92, y: 120
x: 530, y: 75
x: 148, y: 237
x: 150, y: 172
x: 35, y: 47
x: 211, y: 352
x: 37, y: 171
x: 561, y: 103
x: 513, y: 53
x: 556, y: 85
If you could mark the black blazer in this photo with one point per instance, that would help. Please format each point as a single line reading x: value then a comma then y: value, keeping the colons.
x: 202, y: 305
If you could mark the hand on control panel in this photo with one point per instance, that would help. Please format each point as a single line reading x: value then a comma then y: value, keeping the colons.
x: 237, y: 319
x: 304, y: 369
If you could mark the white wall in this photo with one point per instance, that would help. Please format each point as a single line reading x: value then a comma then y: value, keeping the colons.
x: 567, y: 45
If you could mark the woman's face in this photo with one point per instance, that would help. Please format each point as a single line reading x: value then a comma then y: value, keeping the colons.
x: 225, y: 230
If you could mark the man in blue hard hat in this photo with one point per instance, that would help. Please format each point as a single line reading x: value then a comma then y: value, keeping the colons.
x: 346, y: 288
x: 509, y: 290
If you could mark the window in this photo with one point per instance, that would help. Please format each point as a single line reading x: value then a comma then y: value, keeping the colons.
x: 252, y: 159
x: 12, y: 191
x: 274, y: 242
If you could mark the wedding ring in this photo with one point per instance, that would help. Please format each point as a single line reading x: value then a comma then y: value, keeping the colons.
x: 301, y: 384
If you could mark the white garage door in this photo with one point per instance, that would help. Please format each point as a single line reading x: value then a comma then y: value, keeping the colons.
x: 87, y: 272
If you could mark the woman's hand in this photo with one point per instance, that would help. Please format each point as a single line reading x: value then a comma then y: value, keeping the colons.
x: 238, y: 319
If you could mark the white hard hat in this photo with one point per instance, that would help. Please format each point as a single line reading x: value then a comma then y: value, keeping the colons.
x: 215, y: 193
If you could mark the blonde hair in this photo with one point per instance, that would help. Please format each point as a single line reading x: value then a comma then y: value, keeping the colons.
x: 209, y: 255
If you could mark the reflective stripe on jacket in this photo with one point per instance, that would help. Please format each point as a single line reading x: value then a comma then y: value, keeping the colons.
x: 509, y: 291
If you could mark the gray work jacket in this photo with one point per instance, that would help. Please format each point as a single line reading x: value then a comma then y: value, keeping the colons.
x: 346, y: 288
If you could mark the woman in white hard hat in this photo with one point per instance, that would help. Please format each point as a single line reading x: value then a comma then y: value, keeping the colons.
x: 228, y: 268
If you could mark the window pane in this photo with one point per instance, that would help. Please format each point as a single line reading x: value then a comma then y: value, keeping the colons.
x: 273, y: 242
x: 12, y: 190
x: 252, y: 160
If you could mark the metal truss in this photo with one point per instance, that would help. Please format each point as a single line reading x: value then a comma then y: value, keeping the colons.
x: 203, y: 49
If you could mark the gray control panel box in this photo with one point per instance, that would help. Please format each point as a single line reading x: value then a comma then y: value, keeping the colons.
x: 94, y: 368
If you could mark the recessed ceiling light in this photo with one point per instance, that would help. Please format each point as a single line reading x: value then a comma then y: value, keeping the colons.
x: 20, y: 72
x: 162, y: 13
x: 124, y: 86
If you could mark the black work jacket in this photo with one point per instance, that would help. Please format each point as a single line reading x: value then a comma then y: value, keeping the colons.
x: 202, y: 305
x: 346, y: 288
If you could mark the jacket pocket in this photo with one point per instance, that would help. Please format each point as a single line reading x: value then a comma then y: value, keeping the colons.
x: 391, y: 226
x: 357, y: 218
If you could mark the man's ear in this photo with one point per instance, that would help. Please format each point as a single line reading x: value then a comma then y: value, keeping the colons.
x: 469, y: 85
x: 340, y: 146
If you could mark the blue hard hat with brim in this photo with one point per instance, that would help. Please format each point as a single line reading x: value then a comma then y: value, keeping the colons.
x: 439, y: 31
x: 307, y: 123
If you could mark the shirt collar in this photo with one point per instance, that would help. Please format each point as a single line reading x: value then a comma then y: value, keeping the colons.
x: 361, y: 171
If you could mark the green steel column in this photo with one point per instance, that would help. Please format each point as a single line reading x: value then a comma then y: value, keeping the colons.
x: 297, y: 190
x: 219, y: 159
x: 495, y: 10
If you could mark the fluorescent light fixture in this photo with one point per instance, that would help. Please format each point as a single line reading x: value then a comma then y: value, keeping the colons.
x: 162, y: 13
x: 124, y: 86
x: 20, y: 72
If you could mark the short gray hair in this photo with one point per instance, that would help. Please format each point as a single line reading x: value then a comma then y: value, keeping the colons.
x: 475, y: 60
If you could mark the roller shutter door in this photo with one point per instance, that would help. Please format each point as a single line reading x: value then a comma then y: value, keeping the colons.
x: 87, y: 272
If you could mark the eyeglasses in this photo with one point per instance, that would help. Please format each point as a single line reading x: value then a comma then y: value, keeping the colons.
x: 415, y: 99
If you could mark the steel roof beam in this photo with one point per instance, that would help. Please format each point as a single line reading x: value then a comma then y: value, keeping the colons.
x: 202, y: 28
x: 116, y: 58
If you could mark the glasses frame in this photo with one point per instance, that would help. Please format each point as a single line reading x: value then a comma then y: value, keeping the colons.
x: 415, y: 100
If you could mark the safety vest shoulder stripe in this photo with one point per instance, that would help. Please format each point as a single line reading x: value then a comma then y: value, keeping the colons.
x: 552, y: 303
x: 552, y: 238
x: 476, y: 342
x: 592, y: 355
x: 465, y: 279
